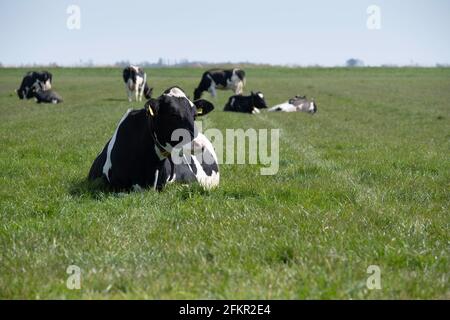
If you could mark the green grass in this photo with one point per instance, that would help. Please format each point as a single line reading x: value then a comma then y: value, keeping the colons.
x: 363, y: 182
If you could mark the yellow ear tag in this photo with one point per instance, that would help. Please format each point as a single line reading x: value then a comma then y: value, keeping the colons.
x: 199, y: 110
x: 150, y: 110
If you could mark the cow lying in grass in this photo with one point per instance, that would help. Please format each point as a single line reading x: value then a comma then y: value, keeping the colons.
x: 48, y: 96
x: 33, y: 82
x: 145, y: 150
x: 296, y: 104
x: 246, y: 104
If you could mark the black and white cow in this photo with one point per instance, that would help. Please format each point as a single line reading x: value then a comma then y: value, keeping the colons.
x: 296, y: 104
x: 136, y: 81
x: 144, y: 153
x: 232, y: 79
x: 47, y: 96
x: 246, y: 104
x: 34, y: 81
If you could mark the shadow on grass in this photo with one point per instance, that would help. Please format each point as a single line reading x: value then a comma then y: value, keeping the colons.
x: 99, y: 189
x: 96, y: 189
x: 115, y: 100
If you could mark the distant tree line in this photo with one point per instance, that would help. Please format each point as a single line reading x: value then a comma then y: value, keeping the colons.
x: 185, y: 63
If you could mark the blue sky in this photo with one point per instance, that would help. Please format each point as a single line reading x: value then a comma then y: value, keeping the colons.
x: 278, y: 31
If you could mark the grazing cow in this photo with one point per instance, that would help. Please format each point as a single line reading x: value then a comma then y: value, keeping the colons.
x: 142, y: 150
x: 296, y: 104
x: 246, y: 104
x: 136, y: 81
x: 34, y: 81
x: 233, y: 79
x: 48, y: 96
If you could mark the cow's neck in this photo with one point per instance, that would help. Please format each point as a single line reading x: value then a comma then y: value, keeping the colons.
x: 159, y: 149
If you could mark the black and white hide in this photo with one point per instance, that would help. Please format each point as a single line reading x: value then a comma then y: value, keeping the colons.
x: 246, y: 104
x: 231, y: 79
x: 48, y: 96
x: 296, y: 104
x: 33, y: 82
x: 136, y: 83
x: 148, y: 147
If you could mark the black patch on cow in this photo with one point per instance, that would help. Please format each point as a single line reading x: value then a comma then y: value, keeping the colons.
x: 245, y: 104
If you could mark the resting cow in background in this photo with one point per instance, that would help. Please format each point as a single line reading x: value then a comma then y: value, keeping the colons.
x: 232, y: 79
x: 296, y: 104
x: 246, y: 104
x: 136, y: 81
x: 33, y: 82
x: 48, y: 96
x: 141, y: 152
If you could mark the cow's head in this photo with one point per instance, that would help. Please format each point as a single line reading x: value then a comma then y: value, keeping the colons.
x: 258, y: 100
x: 171, y: 111
x: 45, y: 79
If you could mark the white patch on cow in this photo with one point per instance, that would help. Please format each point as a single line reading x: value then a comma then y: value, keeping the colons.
x: 169, y: 180
x: 137, y: 89
x: 178, y: 93
x: 232, y: 101
x: 260, y: 95
x: 212, y: 86
x: 108, y: 165
x: 284, y: 107
x: 199, y: 144
x: 156, y: 179
x: 207, y: 182
x: 255, y: 110
x: 311, y: 106
x: 47, y: 85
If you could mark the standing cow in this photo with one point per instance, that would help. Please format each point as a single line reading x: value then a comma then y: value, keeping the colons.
x: 136, y: 81
x: 143, y: 151
x: 232, y: 79
x: 33, y: 82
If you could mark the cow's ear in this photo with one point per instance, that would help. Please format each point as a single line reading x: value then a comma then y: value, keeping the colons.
x: 203, y: 107
x: 151, y: 106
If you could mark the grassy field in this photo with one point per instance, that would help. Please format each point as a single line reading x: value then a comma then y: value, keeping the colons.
x: 364, y: 182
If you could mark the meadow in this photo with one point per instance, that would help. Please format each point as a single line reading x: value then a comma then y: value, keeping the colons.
x: 363, y: 182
